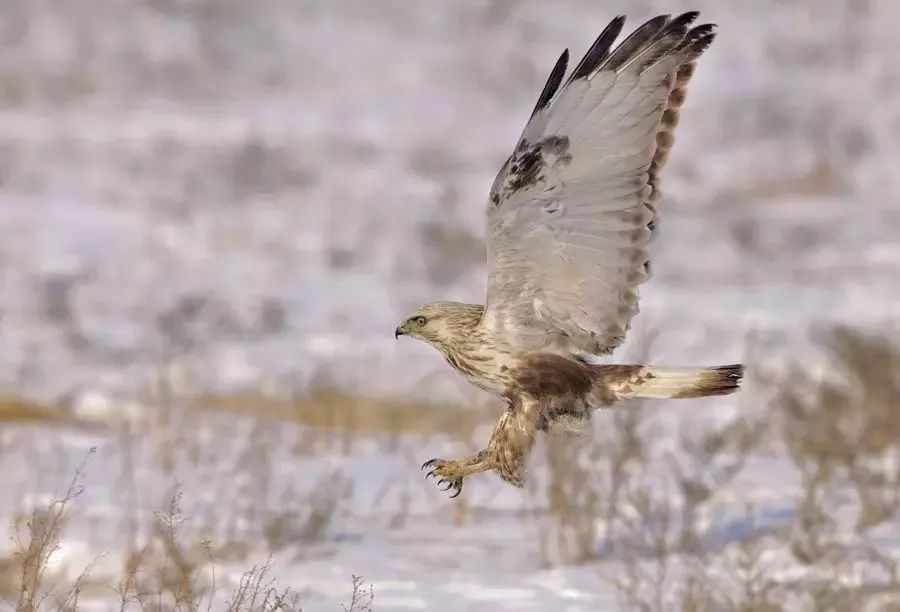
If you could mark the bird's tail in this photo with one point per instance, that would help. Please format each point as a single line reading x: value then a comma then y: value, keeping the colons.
x: 687, y: 382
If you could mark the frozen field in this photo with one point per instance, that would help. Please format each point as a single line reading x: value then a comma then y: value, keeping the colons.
x: 213, y: 213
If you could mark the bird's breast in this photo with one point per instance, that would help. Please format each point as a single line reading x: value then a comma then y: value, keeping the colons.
x: 489, y: 370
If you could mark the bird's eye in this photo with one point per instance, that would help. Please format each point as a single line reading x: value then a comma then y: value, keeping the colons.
x: 420, y: 320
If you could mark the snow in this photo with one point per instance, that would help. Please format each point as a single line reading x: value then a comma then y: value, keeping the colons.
x: 226, y: 199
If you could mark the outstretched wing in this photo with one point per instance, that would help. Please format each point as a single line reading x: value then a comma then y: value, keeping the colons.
x: 572, y: 210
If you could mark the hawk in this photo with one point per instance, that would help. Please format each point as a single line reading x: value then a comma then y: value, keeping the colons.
x: 569, y: 218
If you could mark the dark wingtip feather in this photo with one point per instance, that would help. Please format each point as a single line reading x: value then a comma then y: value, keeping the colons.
x: 636, y: 41
x: 678, y: 27
x: 698, y: 39
x: 702, y: 43
x: 553, y: 81
x: 599, y: 51
x: 692, y: 42
x: 684, y: 20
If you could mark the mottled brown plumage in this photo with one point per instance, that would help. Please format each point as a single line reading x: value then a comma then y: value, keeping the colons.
x: 569, y: 217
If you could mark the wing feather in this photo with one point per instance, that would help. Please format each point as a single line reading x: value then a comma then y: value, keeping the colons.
x: 635, y: 43
x: 573, y: 209
x: 599, y: 51
x: 552, y: 84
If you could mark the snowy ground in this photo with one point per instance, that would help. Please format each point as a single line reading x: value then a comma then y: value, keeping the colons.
x: 239, y: 197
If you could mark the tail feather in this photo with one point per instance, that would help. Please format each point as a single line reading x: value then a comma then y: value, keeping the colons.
x: 687, y: 383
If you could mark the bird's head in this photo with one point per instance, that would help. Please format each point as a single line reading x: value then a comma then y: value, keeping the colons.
x: 440, y: 323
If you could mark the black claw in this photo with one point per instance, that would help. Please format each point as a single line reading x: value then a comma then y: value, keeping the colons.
x: 456, y: 485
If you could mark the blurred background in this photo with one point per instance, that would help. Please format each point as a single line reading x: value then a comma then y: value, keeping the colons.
x: 213, y: 213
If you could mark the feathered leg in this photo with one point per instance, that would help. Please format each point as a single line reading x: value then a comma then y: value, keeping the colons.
x: 509, y: 447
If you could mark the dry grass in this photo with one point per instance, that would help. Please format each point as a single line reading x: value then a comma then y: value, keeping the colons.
x: 171, y: 564
x: 20, y: 410
x: 37, y: 540
x: 848, y: 424
x: 670, y: 529
x: 653, y: 519
x: 309, y: 518
x: 327, y: 411
x: 256, y: 591
x: 585, y: 478
x: 171, y: 573
x: 362, y: 597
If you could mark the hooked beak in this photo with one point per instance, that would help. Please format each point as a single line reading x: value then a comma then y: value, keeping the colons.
x: 399, y: 332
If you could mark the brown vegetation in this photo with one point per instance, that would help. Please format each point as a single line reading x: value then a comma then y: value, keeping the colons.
x: 171, y: 573
x: 663, y: 518
x: 655, y: 522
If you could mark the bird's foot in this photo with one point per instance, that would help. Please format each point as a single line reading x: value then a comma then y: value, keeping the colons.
x: 449, y: 474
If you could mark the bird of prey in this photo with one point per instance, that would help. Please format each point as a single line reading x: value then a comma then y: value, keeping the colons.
x: 569, y: 218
